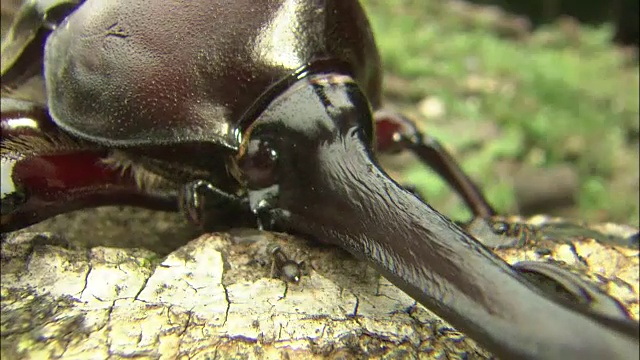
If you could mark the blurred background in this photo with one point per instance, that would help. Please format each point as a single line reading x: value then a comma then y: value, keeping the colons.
x: 623, y: 14
x: 537, y: 99
x: 540, y: 108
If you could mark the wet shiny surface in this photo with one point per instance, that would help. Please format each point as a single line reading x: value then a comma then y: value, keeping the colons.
x: 340, y: 195
x: 330, y: 187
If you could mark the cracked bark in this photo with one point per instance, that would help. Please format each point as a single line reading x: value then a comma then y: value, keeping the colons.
x: 79, y: 287
x: 214, y: 297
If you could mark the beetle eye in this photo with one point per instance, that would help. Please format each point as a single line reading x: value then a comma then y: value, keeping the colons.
x: 258, y: 164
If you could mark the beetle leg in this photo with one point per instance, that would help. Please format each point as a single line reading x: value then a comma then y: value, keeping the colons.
x: 211, y: 208
x: 396, y: 133
x: 46, y: 173
x: 561, y: 282
x: 497, y: 234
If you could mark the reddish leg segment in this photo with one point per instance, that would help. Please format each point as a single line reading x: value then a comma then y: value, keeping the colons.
x: 396, y: 133
x: 45, y: 173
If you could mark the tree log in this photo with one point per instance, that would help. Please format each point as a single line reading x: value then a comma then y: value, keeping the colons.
x: 215, y: 298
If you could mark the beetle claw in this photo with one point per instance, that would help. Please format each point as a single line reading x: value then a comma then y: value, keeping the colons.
x: 264, y: 217
x: 209, y: 207
x: 497, y: 234
x: 565, y: 284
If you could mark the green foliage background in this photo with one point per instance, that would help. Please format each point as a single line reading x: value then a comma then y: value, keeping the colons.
x: 561, y: 95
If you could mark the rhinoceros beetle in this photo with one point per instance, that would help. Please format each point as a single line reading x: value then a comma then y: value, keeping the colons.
x: 269, y: 113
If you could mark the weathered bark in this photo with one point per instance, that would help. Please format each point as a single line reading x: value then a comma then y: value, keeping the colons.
x: 214, y: 297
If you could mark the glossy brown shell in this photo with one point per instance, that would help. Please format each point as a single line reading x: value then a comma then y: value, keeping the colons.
x: 134, y: 72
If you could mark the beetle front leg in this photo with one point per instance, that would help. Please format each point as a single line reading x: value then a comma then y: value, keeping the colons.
x: 39, y: 187
x: 210, y: 208
x: 558, y: 281
x: 46, y: 173
x: 396, y: 133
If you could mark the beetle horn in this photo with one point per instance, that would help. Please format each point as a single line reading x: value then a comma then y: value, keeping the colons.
x: 310, y: 169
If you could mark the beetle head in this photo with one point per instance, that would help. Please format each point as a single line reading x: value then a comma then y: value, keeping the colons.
x: 308, y: 165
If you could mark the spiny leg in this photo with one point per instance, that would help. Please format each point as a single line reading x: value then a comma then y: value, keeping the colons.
x: 212, y: 209
x: 396, y: 133
x: 201, y: 202
x: 561, y: 282
x: 45, y: 173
